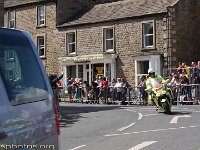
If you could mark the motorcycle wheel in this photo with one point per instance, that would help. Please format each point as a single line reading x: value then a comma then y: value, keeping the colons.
x: 166, y: 106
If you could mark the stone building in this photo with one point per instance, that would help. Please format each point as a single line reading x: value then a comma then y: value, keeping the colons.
x: 114, y: 38
x: 1, y: 13
x: 38, y: 17
x: 125, y: 38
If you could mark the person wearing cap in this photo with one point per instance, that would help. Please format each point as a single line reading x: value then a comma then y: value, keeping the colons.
x: 159, y: 78
x: 152, y: 74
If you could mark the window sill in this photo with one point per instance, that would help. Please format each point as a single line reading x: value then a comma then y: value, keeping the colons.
x: 149, y: 49
x: 109, y: 52
x: 71, y: 54
x: 43, y: 57
x: 41, y: 26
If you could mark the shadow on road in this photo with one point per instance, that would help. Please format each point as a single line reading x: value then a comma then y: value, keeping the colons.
x: 180, y: 113
x: 72, y: 113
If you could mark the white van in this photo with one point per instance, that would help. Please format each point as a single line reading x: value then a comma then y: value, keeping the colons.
x: 28, y: 118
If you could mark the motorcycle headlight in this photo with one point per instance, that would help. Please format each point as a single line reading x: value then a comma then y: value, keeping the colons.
x: 163, y: 92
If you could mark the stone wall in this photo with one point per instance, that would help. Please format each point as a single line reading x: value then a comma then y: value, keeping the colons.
x: 186, y: 27
x: 128, y: 42
x: 1, y: 13
x: 26, y: 20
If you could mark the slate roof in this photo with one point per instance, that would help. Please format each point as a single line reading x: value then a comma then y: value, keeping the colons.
x: 14, y: 3
x: 122, y: 9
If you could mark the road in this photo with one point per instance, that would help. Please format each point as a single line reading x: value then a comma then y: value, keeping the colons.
x: 98, y: 127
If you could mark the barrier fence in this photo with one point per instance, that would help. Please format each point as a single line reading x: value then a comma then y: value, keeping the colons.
x: 183, y: 94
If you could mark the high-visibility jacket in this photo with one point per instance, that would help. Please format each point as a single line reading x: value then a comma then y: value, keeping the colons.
x: 158, y: 78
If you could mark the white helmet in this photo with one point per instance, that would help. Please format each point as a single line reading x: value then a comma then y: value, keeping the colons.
x: 151, y: 70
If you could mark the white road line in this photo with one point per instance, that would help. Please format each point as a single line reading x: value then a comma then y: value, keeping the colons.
x: 157, y: 130
x: 197, y: 111
x: 140, y: 116
x: 77, y: 147
x: 175, y: 119
x: 150, y: 115
x: 142, y: 145
x: 130, y: 110
x: 124, y: 128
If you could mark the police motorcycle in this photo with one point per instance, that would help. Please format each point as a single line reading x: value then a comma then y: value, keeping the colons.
x: 160, y: 95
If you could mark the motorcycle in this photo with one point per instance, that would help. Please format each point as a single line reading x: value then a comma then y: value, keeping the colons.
x: 160, y: 95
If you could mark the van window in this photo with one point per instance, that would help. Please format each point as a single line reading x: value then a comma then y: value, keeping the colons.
x: 20, y: 71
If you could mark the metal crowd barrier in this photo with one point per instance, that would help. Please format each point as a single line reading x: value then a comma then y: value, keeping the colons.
x: 110, y: 95
x: 183, y: 94
x: 186, y: 94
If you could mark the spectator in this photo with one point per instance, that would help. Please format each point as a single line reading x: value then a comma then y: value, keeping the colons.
x: 112, y: 89
x: 193, y: 68
x: 186, y: 90
x: 180, y: 68
x: 53, y: 79
x: 186, y: 69
x: 69, y: 88
x: 95, y: 90
x: 124, y: 86
x: 175, y: 84
x: 195, y: 79
x: 87, y: 88
x: 142, y: 93
x: 120, y: 89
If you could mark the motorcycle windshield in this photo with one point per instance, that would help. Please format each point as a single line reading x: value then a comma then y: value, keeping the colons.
x: 155, y: 83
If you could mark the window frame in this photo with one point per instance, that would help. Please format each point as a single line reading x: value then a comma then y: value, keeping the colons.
x: 144, y: 43
x: 67, y: 43
x: 44, y: 46
x: 39, y: 15
x: 111, y: 39
x: 9, y: 19
x: 10, y: 56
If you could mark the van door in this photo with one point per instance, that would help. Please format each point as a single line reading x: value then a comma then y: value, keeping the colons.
x: 28, y: 94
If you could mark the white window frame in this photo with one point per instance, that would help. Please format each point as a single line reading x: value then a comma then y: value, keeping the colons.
x: 110, y: 39
x: 70, y: 43
x: 40, y: 47
x: 41, y: 14
x: 144, y: 43
x: 154, y: 62
x: 11, y: 19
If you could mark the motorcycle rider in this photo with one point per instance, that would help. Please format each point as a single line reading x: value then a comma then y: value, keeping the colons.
x: 159, y: 78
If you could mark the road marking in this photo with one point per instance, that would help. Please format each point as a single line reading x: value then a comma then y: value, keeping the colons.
x: 197, y: 111
x: 130, y: 110
x: 157, y: 130
x: 140, y: 116
x: 124, y: 128
x: 78, y: 147
x: 142, y: 145
x: 150, y: 115
x: 175, y: 119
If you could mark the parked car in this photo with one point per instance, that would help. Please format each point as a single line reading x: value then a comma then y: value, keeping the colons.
x: 28, y: 118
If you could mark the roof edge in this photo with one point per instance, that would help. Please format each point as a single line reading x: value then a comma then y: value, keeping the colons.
x: 111, y: 20
x: 27, y: 4
x: 175, y: 3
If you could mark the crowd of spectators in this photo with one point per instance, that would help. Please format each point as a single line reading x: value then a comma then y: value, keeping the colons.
x: 101, y: 89
x: 185, y: 79
x: 98, y: 91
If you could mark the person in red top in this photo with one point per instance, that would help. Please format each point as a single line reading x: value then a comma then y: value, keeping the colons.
x: 103, y: 89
